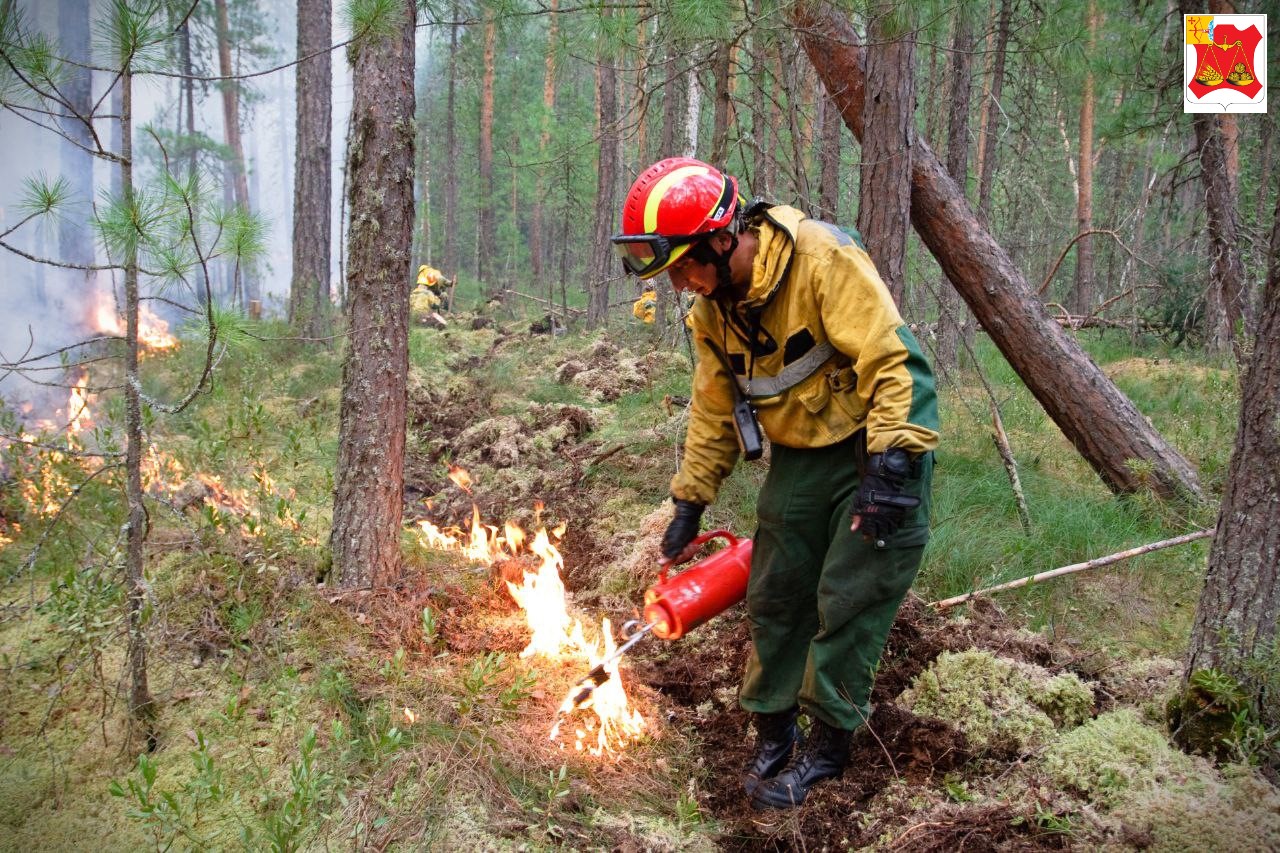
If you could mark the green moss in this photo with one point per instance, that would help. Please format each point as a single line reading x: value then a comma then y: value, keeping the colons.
x: 1115, y: 753
x: 1236, y: 814
x: 999, y: 703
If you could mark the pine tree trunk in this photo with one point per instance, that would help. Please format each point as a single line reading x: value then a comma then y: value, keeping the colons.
x: 672, y: 103
x: 369, y: 488
x: 488, y: 232
x: 1237, y: 612
x: 1103, y: 424
x: 231, y: 128
x: 1082, y: 294
x: 141, y: 704
x: 829, y: 162
x: 692, y: 110
x: 602, y: 258
x: 884, y: 207
x: 536, y: 249
x: 309, y: 302
x: 952, y: 315
x: 723, y: 117
x: 990, y: 148
x: 1226, y: 267
x: 451, y: 149
x: 1264, y: 168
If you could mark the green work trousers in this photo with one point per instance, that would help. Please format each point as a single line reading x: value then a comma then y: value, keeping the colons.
x: 821, y: 598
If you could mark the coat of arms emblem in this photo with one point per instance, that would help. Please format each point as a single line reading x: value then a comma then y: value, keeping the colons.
x: 1225, y: 64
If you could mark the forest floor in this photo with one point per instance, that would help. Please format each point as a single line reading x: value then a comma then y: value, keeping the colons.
x: 293, y: 715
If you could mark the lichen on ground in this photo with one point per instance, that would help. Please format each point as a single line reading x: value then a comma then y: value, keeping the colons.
x: 1237, y: 814
x: 999, y: 704
x: 1114, y: 754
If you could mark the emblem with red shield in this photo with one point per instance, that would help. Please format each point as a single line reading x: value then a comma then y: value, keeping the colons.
x: 1225, y: 64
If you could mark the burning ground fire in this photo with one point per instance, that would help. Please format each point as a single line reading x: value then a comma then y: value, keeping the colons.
x: 153, y: 332
x: 46, y: 482
x: 554, y: 633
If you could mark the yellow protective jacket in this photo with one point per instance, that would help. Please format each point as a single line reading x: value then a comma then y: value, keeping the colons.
x: 817, y: 308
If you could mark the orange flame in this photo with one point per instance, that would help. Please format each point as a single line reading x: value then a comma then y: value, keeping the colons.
x: 553, y: 632
x: 78, y: 405
x: 615, y: 724
x: 460, y: 477
x: 153, y: 332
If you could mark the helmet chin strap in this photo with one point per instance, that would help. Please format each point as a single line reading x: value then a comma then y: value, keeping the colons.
x: 703, y: 253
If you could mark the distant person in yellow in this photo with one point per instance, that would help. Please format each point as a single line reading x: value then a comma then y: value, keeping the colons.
x: 429, y: 293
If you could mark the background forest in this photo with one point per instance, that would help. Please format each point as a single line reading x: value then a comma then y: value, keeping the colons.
x: 263, y: 491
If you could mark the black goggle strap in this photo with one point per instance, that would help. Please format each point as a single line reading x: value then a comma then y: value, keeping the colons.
x: 658, y: 245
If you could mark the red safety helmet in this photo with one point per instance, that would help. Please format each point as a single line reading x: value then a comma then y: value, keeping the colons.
x: 674, y: 203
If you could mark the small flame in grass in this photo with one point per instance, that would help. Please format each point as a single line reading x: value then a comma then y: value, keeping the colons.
x: 78, y: 405
x: 554, y: 633
x: 615, y: 724
x: 460, y: 477
x: 410, y: 717
x: 541, y: 596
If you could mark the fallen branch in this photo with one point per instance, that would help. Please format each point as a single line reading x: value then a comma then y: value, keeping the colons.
x: 551, y: 306
x: 1001, y: 439
x: 1074, y: 567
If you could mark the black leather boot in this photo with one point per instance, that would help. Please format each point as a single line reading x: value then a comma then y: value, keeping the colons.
x: 776, y: 739
x: 823, y: 756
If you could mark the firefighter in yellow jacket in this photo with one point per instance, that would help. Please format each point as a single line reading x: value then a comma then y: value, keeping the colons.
x: 795, y: 334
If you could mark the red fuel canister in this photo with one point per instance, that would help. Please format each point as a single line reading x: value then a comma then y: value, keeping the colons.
x: 678, y: 604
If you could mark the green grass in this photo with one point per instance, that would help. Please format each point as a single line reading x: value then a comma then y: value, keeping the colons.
x: 278, y: 659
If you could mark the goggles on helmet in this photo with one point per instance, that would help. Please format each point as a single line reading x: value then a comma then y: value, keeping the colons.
x: 646, y: 255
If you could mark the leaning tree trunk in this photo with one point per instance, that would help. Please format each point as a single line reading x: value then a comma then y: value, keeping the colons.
x: 1236, y: 616
x: 369, y: 491
x: 1095, y: 416
x: 312, y: 184
x: 884, y: 205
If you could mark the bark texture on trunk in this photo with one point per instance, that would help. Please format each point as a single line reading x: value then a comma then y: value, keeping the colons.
x: 309, y: 303
x: 369, y: 489
x: 1095, y: 416
x: 536, y: 250
x: 989, y: 156
x: 1226, y: 267
x: 723, y: 117
x: 884, y: 206
x: 829, y: 162
x: 488, y: 222
x: 602, y: 258
x: 142, y: 706
x: 1237, y: 612
x: 231, y: 129
x: 451, y: 149
x: 952, y: 316
x: 1082, y: 297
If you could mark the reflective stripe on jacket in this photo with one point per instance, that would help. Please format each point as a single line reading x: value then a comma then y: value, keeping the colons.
x: 810, y: 285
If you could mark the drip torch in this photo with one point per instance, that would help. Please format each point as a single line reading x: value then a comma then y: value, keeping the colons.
x: 676, y: 605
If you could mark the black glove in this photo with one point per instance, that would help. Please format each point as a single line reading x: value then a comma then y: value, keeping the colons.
x: 682, y: 529
x: 881, y: 504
